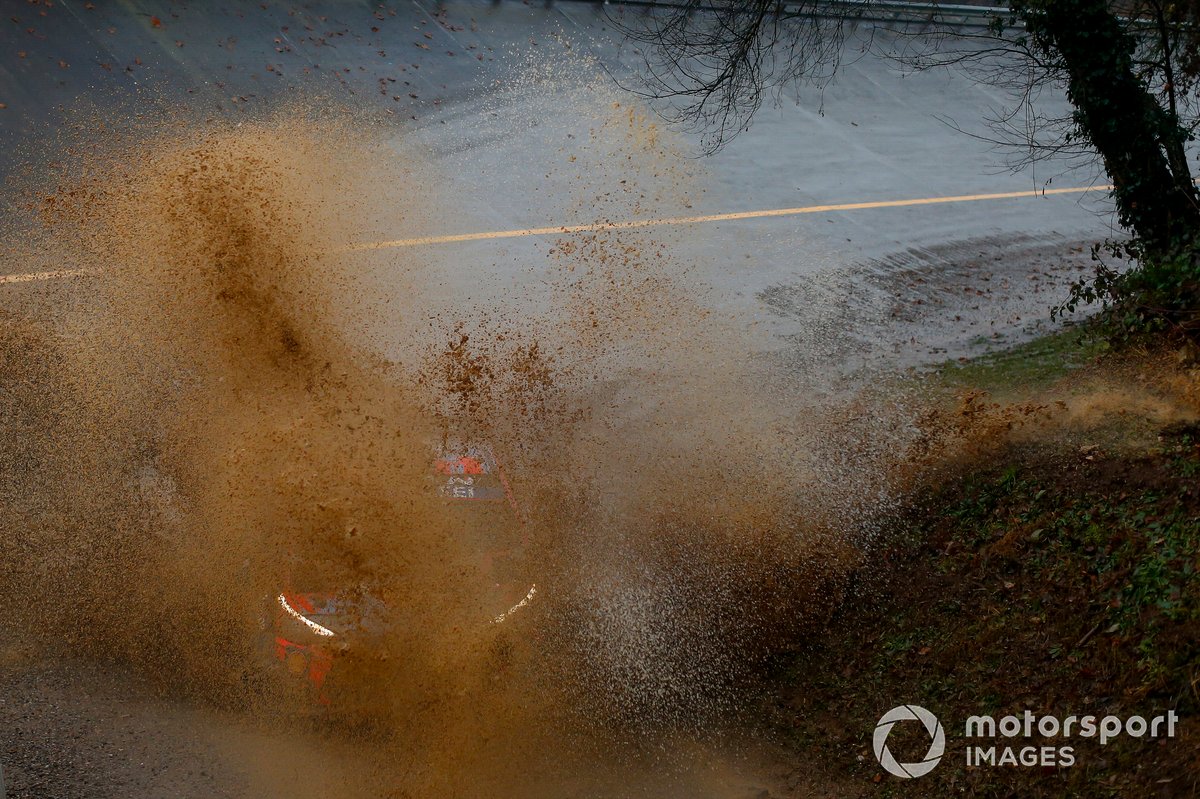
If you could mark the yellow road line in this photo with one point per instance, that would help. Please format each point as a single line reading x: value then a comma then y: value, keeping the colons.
x: 29, y: 277
x: 640, y: 223
x: 693, y: 220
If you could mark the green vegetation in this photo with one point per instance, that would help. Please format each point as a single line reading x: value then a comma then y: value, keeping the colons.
x: 1049, y: 576
x: 1033, y: 365
x: 1057, y: 586
x: 1158, y: 294
x: 1131, y: 549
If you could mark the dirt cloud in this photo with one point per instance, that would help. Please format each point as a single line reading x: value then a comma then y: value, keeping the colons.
x: 220, y: 410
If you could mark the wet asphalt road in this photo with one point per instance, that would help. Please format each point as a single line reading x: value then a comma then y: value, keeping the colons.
x: 877, y: 134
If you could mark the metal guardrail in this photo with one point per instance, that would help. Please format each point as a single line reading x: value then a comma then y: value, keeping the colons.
x: 867, y: 10
x: 896, y: 11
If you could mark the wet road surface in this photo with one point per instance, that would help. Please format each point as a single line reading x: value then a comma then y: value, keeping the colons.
x: 473, y: 84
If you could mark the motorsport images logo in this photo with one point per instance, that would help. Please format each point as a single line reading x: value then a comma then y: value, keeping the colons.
x: 1055, y: 748
x: 937, y: 745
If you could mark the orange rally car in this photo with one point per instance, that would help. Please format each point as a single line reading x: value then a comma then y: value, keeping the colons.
x: 312, y: 633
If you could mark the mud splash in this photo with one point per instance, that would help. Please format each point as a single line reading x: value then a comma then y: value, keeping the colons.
x: 236, y: 401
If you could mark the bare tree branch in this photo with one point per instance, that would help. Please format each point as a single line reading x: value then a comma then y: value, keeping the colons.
x: 715, y: 61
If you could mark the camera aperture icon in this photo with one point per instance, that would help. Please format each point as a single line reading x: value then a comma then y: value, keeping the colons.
x: 937, y: 745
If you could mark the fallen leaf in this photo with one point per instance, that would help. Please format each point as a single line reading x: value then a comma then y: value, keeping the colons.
x: 155, y: 22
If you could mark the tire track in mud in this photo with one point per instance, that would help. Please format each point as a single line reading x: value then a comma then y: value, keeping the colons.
x: 927, y: 305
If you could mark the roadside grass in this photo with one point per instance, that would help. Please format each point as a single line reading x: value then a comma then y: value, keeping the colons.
x: 1033, y: 365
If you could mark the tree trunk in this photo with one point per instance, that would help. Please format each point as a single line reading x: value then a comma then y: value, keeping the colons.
x: 1133, y: 133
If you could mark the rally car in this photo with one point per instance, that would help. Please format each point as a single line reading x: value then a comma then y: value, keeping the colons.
x: 317, y: 634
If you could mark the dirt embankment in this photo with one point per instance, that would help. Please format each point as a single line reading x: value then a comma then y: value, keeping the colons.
x: 1049, y: 563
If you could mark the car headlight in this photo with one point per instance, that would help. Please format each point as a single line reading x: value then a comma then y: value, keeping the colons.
x: 307, y: 622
